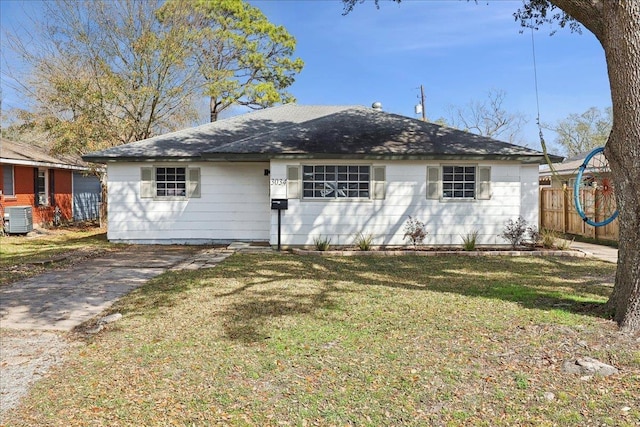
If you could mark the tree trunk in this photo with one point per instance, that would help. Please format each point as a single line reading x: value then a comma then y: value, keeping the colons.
x: 621, y: 42
x: 103, y: 202
x: 213, y: 112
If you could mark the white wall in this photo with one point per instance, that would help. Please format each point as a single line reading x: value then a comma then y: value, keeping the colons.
x: 234, y: 205
x: 530, y: 194
x: 514, y: 192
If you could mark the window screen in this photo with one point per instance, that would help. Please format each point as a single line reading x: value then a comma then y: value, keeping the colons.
x: 171, y: 181
x: 459, y: 182
x: 7, y: 179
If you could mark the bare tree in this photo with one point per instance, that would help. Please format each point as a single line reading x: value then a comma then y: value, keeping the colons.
x: 103, y: 73
x: 488, y: 117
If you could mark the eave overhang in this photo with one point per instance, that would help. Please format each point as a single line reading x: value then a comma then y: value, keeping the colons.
x: 265, y: 157
x: 52, y: 165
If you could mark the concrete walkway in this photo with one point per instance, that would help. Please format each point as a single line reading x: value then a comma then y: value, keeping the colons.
x: 63, y: 299
x: 605, y: 253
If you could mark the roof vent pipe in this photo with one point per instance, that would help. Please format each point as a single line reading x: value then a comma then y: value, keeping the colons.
x: 377, y: 106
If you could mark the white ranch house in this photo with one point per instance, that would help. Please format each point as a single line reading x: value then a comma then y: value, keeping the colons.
x: 342, y: 169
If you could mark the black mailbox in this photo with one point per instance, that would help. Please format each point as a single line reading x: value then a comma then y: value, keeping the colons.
x: 279, y: 204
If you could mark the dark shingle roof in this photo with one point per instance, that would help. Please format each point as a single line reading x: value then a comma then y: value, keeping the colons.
x: 317, y: 132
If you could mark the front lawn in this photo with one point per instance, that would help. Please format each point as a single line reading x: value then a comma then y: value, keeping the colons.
x: 281, y: 339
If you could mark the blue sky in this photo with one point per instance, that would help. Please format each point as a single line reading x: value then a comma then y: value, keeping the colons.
x: 457, y: 50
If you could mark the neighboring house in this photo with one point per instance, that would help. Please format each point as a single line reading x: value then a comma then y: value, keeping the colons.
x: 343, y: 169
x: 30, y: 176
x: 557, y: 207
x: 565, y: 173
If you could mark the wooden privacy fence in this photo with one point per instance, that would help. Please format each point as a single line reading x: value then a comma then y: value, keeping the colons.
x: 558, y: 212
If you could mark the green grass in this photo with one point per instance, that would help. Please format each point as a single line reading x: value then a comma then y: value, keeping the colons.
x: 281, y: 339
x: 25, y: 256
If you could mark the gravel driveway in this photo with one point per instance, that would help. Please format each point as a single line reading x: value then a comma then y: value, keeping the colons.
x: 25, y: 357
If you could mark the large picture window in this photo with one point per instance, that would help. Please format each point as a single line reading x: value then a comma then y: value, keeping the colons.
x: 171, y: 181
x: 459, y: 182
x: 333, y: 182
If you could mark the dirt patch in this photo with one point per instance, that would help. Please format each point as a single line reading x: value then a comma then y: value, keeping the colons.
x: 26, y: 357
x: 58, y: 262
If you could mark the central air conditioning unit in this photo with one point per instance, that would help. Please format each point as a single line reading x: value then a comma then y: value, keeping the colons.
x: 18, y: 219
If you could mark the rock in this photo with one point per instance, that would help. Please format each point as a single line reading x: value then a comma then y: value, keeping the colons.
x: 588, y: 366
x: 549, y: 396
x: 95, y: 330
x: 110, y: 318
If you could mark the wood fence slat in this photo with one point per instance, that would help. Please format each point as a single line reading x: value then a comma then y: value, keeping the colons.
x: 558, y: 213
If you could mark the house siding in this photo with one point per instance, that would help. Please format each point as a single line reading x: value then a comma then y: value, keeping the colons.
x: 234, y: 205
x: 86, y: 197
x: 530, y: 209
x: 514, y: 193
x: 24, y: 194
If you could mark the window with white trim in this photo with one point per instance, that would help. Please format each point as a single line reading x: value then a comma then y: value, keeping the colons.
x: 171, y: 181
x: 42, y: 187
x: 458, y: 182
x: 7, y: 181
x: 336, y: 181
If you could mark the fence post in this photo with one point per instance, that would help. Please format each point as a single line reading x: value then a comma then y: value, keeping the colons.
x: 565, y: 208
x: 542, y: 209
x: 595, y: 214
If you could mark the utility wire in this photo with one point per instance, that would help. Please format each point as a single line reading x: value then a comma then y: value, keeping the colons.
x: 543, y: 144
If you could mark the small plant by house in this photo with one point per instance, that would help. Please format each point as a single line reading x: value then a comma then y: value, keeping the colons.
x: 563, y: 244
x: 415, y: 231
x: 552, y: 239
x: 534, y: 235
x: 469, y: 240
x: 322, y: 243
x: 363, y: 241
x: 548, y: 238
x: 518, y: 231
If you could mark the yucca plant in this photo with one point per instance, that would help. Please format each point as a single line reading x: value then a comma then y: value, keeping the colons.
x: 364, y: 242
x: 322, y: 243
x: 469, y: 240
x: 549, y: 238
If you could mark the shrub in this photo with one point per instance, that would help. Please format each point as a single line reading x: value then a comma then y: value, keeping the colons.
x: 534, y: 235
x: 549, y: 238
x: 363, y: 241
x: 514, y: 231
x: 322, y: 243
x: 469, y: 240
x: 415, y: 231
x: 563, y: 244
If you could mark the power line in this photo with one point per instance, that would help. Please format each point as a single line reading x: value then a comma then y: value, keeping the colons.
x: 543, y: 144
